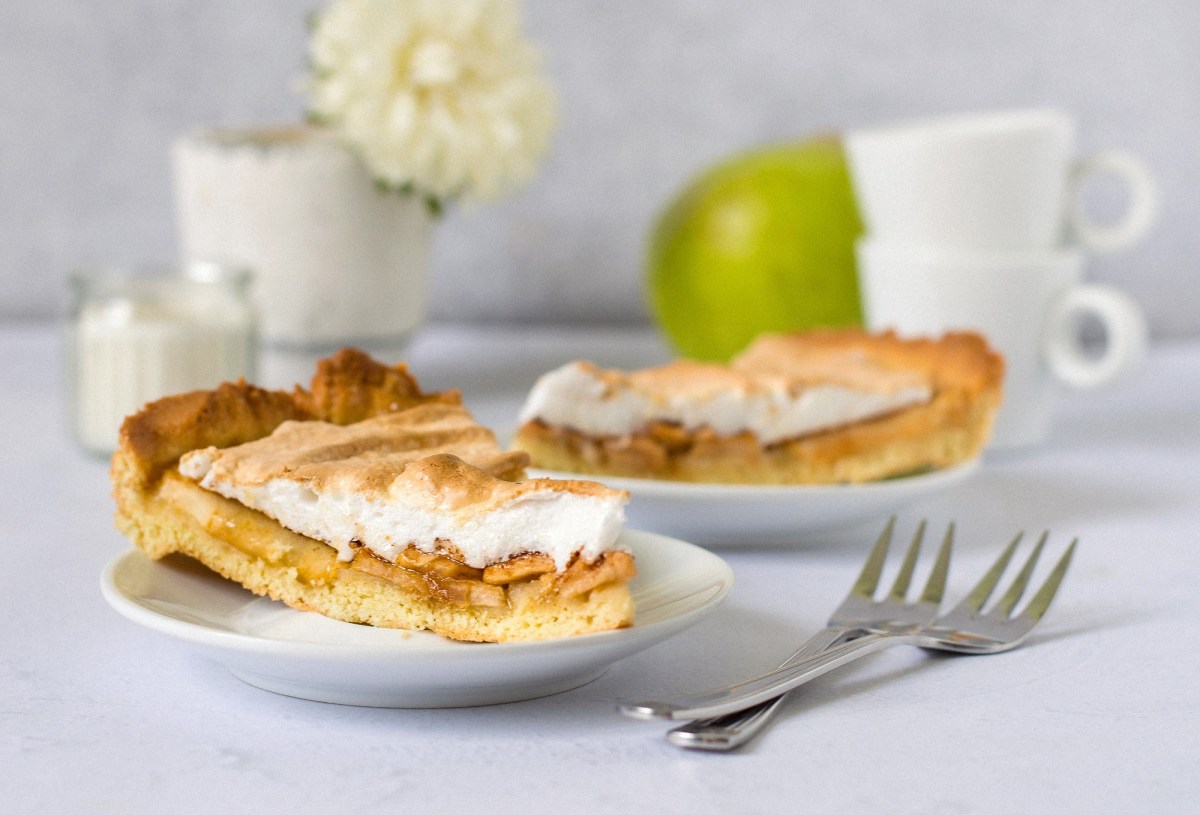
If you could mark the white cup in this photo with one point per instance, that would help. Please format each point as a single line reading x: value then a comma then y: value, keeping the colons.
x: 1031, y: 306
x: 993, y: 181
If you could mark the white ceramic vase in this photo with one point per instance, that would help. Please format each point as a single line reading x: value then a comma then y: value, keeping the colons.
x: 337, y: 260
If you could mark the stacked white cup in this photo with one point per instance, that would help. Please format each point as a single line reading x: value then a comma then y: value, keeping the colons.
x: 977, y: 222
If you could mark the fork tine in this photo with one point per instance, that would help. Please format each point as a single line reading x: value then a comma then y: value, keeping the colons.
x: 983, y: 589
x: 868, y: 579
x: 1011, y: 597
x: 935, y: 586
x: 1041, y: 601
x: 900, y: 587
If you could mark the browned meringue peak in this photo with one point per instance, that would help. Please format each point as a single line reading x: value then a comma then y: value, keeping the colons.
x: 364, y: 457
x: 804, y: 361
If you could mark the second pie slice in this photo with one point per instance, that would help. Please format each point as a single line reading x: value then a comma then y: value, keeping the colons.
x: 822, y: 407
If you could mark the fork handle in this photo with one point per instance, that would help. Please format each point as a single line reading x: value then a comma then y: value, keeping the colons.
x: 728, y: 732
x: 751, y: 692
x: 732, y: 730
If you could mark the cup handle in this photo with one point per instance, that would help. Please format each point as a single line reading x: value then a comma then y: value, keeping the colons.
x: 1124, y: 330
x: 1139, y: 216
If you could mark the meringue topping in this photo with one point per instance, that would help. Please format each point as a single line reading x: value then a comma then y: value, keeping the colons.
x: 425, y: 477
x: 770, y: 390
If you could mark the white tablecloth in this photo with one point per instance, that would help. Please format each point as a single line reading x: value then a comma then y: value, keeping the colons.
x: 1100, y: 711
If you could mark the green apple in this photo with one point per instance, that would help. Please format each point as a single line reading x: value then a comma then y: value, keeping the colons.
x: 762, y: 242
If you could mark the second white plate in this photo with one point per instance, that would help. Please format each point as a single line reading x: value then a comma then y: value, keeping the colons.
x: 743, y: 515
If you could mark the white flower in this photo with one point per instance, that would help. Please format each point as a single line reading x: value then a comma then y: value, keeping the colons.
x: 443, y: 96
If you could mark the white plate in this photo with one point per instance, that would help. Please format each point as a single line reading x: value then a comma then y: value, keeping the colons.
x: 303, y: 654
x: 742, y: 515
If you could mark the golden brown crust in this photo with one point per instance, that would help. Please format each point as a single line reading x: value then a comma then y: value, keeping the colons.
x: 163, y: 513
x: 347, y: 387
x: 351, y: 386
x: 965, y: 374
x: 154, y: 438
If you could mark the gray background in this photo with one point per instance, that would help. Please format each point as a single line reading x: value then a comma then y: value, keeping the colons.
x: 92, y: 92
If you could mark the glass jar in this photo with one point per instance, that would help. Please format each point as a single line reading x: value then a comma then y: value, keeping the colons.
x: 135, y: 335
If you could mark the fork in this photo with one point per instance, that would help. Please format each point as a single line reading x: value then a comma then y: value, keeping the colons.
x: 858, y: 614
x: 965, y: 629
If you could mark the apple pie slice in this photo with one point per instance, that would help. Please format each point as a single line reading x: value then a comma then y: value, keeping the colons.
x: 369, y: 501
x: 806, y: 408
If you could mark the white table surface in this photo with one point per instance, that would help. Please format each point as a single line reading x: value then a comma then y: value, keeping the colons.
x: 1099, y: 712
